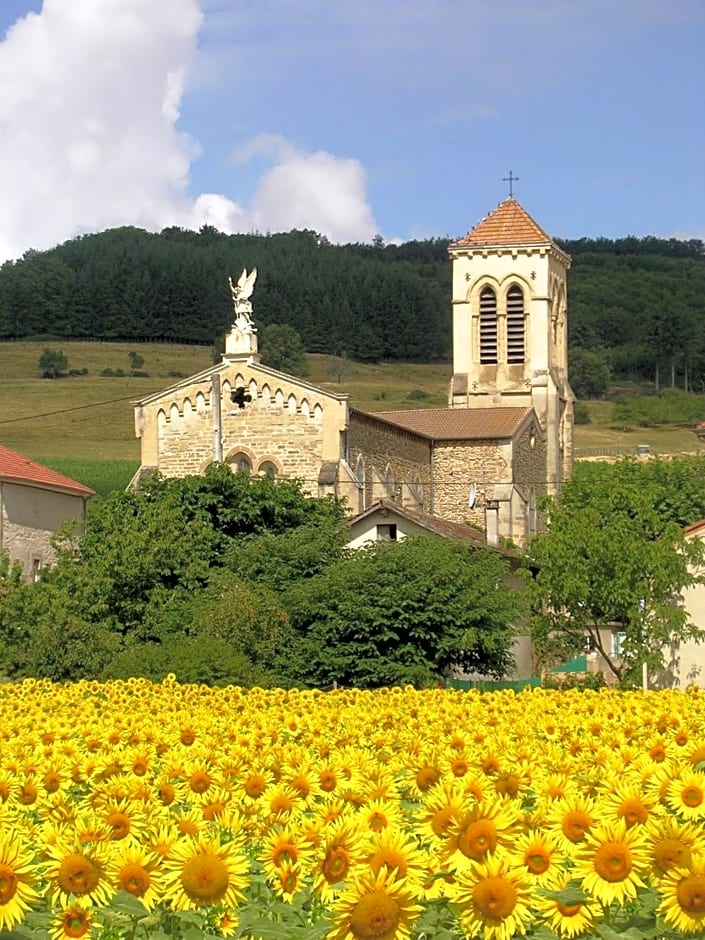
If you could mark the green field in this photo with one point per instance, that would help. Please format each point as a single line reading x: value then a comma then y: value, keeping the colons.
x: 83, y: 424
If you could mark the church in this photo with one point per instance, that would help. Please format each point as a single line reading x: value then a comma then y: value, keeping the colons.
x: 505, y: 438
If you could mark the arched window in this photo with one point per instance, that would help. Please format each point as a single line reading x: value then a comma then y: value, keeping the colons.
x: 488, y: 326
x: 267, y: 468
x: 240, y: 462
x: 515, y: 324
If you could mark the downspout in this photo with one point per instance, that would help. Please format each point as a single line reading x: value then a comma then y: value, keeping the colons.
x: 432, y: 499
x: 217, y: 419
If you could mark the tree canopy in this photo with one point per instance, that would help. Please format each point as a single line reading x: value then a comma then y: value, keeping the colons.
x: 638, y: 302
x: 614, y: 559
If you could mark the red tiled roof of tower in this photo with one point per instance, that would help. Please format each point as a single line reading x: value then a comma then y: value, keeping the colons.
x: 14, y: 468
x: 508, y: 224
x: 446, y: 424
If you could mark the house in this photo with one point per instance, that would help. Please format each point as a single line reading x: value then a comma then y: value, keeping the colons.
x: 504, y: 439
x: 34, y: 502
x: 388, y: 520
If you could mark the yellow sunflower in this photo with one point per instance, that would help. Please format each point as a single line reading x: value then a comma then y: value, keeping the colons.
x: 397, y: 851
x: 375, y: 907
x: 686, y: 795
x: 136, y: 870
x: 627, y: 801
x: 683, y: 892
x: 480, y: 831
x: 284, y: 845
x: 672, y: 843
x: 570, y: 819
x: 494, y: 899
x: 611, y: 862
x: 341, y: 852
x: 18, y: 875
x: 76, y: 919
x: 540, y: 854
x: 201, y: 872
x: 568, y: 918
x: 442, y: 807
x: 76, y: 870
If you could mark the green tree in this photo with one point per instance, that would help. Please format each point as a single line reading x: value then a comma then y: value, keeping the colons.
x: 403, y: 612
x: 53, y: 364
x: 614, y: 558
x: 590, y: 372
x: 283, y: 349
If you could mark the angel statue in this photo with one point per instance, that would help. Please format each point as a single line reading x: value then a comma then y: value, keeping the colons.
x: 242, y: 291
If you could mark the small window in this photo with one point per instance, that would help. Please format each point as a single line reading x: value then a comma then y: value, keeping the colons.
x: 618, y: 638
x: 387, y: 533
x: 488, y: 326
x: 267, y: 468
x: 241, y: 462
x: 36, y: 569
x: 515, y: 325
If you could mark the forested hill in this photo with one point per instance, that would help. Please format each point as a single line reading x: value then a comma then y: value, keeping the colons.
x: 641, y: 299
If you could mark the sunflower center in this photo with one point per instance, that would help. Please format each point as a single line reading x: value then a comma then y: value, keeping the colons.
x: 426, y: 777
x: 255, y: 785
x: 575, y: 824
x: 200, y: 781
x: 477, y: 839
x: 537, y: 861
x: 377, y: 822
x: 205, y: 878
x: 632, y: 812
x: 568, y: 910
x: 285, y: 852
x: 494, y: 898
x: 135, y: 879
x: 692, y: 796
x: 441, y: 820
x: 328, y: 781
x: 166, y: 794
x: 669, y: 852
x: 691, y: 894
x: 52, y: 781
x: 391, y: 859
x: 375, y: 917
x: 335, y: 864
x: 28, y: 793
x: 78, y: 875
x: 8, y: 883
x: 119, y: 825
x: 613, y: 861
x: 75, y: 923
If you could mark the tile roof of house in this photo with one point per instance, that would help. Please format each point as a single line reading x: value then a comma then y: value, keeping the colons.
x: 452, y: 530
x: 508, y: 224
x: 454, y: 424
x: 14, y: 468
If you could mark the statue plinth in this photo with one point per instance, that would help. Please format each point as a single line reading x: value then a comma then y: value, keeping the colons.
x: 239, y: 343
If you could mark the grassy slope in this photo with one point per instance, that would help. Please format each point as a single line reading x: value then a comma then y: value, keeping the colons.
x: 89, y: 419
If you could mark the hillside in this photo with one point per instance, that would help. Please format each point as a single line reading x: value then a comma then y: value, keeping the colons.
x: 640, y: 301
x: 90, y: 416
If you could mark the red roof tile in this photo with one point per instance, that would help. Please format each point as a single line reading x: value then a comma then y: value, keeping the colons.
x: 508, y: 224
x: 446, y: 424
x: 15, y: 468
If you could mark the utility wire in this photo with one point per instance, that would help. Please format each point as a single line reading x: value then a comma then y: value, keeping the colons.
x: 63, y: 411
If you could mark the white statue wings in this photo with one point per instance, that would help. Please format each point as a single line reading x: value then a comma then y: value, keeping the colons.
x: 241, y: 292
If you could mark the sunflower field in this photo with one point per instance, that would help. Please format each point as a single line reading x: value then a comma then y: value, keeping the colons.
x: 140, y: 810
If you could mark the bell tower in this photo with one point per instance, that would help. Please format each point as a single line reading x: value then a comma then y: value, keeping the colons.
x: 510, y: 326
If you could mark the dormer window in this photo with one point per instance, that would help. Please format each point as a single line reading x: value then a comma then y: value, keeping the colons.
x: 515, y: 325
x: 488, y: 326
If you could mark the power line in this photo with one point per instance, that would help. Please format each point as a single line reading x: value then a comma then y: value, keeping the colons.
x: 63, y: 411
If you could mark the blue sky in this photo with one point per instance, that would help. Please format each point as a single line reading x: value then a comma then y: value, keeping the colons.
x: 350, y: 117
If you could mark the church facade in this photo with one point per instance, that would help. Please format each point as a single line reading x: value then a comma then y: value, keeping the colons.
x: 504, y: 439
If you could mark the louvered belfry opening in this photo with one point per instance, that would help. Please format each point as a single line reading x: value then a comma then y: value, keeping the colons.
x: 488, y: 326
x: 515, y: 325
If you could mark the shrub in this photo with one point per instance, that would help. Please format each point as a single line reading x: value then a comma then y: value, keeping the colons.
x: 581, y: 413
x: 417, y: 394
x: 53, y: 364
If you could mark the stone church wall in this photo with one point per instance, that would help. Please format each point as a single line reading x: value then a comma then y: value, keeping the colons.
x: 459, y: 464
x: 390, y: 453
x: 530, y: 464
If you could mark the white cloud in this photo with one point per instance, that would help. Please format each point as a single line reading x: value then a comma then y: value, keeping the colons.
x: 90, y: 92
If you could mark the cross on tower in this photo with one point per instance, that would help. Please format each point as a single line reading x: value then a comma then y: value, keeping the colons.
x: 510, y: 179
